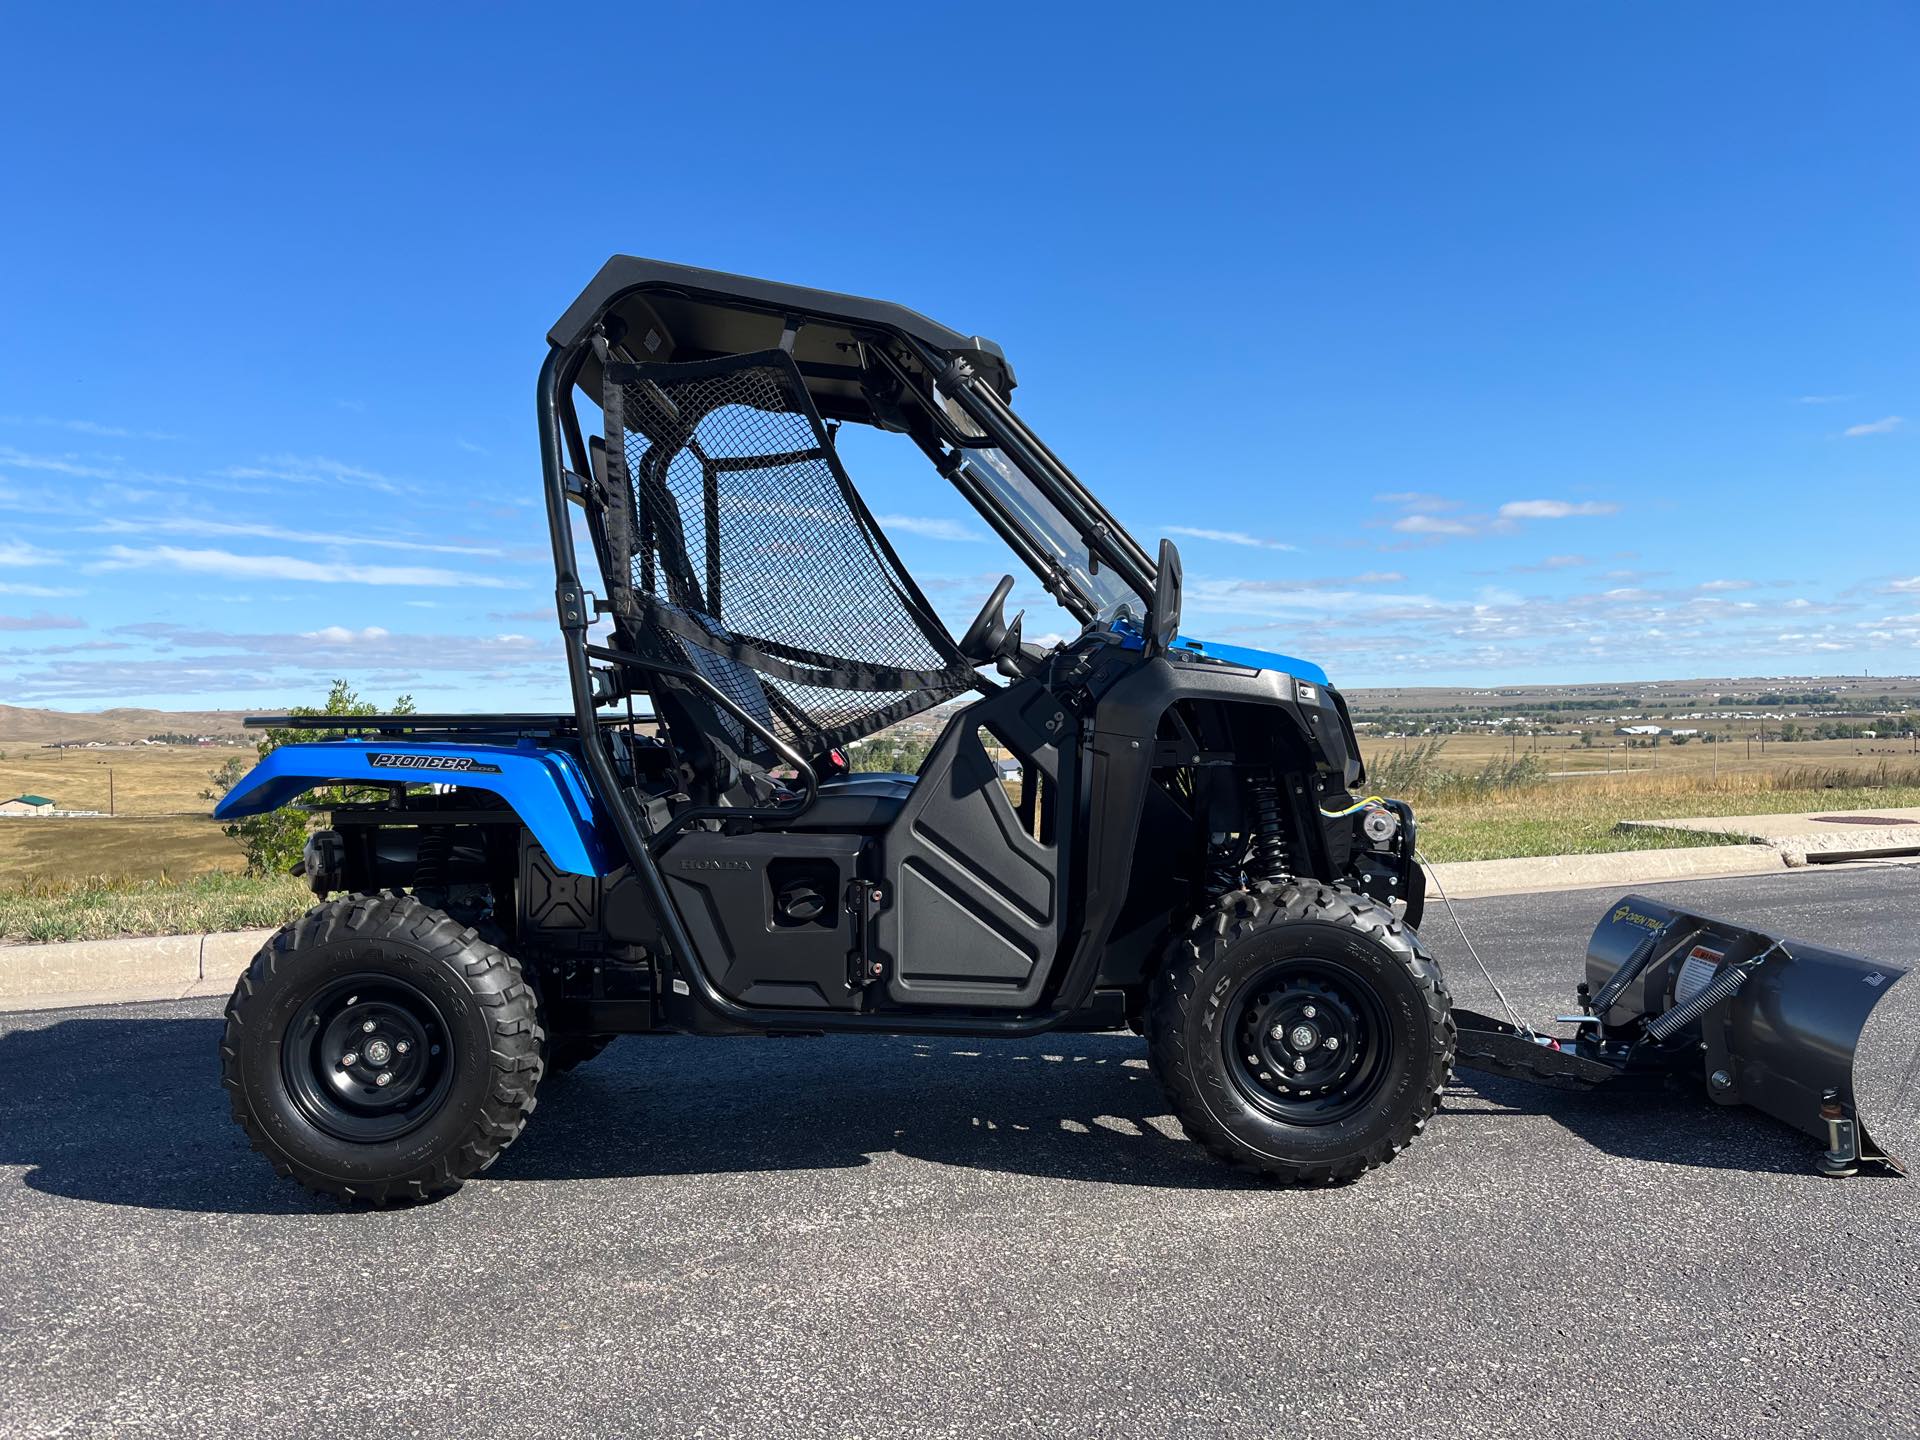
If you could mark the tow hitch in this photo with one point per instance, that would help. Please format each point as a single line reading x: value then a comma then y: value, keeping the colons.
x: 1827, y: 1042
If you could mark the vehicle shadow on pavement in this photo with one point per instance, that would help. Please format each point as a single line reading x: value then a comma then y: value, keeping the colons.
x: 1670, y: 1125
x: 1076, y: 1107
x: 129, y: 1111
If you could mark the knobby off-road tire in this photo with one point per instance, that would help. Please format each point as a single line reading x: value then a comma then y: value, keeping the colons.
x: 372, y: 985
x: 1240, y: 1018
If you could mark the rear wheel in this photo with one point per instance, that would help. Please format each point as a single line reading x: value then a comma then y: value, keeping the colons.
x: 379, y: 1050
x: 1300, y: 1031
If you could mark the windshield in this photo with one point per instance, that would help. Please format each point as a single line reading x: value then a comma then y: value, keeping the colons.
x: 1000, y: 477
x: 993, y: 470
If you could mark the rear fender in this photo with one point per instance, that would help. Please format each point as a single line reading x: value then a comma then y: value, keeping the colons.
x: 546, y: 788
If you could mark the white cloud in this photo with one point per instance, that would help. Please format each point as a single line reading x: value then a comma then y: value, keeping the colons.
x: 41, y: 620
x: 88, y: 427
x: 19, y: 553
x: 194, y: 525
x: 288, y: 567
x: 1422, y: 524
x: 340, y: 635
x: 1417, y: 500
x: 1726, y: 585
x: 1910, y: 586
x: 1823, y: 399
x: 1228, y: 537
x: 42, y: 592
x: 1554, y: 509
x: 1885, y: 426
x: 317, y: 469
x: 928, y: 527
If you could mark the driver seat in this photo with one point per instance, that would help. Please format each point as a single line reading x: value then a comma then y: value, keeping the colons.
x: 864, y: 803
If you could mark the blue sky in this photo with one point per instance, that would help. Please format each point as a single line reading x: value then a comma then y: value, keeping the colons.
x: 1456, y: 344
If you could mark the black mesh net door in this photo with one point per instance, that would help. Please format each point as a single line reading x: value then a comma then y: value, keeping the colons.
x: 742, y: 551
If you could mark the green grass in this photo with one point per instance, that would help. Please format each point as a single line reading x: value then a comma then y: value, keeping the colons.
x: 1567, y: 819
x: 102, y: 909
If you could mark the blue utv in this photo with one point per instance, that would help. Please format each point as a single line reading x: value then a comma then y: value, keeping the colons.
x: 1127, y: 828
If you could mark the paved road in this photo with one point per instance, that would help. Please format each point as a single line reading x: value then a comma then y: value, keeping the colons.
x: 893, y: 1237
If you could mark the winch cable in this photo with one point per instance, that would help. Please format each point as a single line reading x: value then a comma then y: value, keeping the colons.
x: 1505, y: 1004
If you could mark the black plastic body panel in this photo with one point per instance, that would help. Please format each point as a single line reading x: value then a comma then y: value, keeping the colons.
x: 728, y: 889
x: 975, y: 903
x: 1310, y: 740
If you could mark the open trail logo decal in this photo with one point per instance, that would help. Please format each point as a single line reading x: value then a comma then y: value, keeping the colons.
x: 1634, y: 917
x: 464, y: 764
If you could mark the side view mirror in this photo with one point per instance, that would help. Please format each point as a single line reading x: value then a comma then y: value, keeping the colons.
x: 1163, y: 614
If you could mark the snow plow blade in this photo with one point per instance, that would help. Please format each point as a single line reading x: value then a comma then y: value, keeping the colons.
x: 1827, y: 1042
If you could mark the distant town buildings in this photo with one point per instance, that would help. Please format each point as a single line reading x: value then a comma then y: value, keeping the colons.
x: 27, y: 805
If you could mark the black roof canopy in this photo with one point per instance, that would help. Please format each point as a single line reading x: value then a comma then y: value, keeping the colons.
x: 677, y: 312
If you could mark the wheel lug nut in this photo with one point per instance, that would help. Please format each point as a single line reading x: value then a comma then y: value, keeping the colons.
x: 385, y: 1077
x: 349, y: 1058
x: 367, y: 1026
x: 1309, y: 1012
x: 1333, y: 1042
x: 1299, y: 1064
x: 1279, y: 1032
x: 401, y: 1048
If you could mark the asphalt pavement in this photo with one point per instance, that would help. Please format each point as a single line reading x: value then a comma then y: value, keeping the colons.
x: 882, y: 1237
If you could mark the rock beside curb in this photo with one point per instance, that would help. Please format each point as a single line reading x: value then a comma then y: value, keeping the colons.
x: 151, y: 967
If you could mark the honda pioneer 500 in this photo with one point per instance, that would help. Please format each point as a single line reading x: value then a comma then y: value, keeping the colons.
x: 1131, y: 828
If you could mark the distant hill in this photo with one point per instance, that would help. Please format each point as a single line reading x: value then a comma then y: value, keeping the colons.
x: 20, y: 726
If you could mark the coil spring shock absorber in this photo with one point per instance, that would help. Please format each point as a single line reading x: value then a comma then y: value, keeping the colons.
x: 1270, y: 859
x: 1226, y: 865
x: 430, y: 864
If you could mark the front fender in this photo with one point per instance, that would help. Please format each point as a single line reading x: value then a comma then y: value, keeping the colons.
x: 546, y: 788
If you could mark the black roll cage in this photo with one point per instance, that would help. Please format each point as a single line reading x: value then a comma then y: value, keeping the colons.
x: 562, y: 440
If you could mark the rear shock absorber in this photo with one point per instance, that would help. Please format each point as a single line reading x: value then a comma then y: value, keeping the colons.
x: 1270, y: 859
x: 430, y: 864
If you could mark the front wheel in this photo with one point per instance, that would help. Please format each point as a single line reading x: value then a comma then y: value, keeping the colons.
x: 379, y: 1050
x: 1300, y: 1031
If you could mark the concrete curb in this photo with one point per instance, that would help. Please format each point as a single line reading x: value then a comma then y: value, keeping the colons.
x: 1810, y: 839
x: 1477, y: 879
x: 151, y: 967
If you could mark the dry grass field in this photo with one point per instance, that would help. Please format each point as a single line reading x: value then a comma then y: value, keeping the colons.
x: 134, y: 847
x: 144, y: 780
x: 1563, y: 757
x: 160, y: 863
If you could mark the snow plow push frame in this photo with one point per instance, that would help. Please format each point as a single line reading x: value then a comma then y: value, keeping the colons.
x: 1824, y: 1041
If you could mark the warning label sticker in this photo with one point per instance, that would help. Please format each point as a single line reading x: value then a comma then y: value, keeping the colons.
x: 1696, y: 971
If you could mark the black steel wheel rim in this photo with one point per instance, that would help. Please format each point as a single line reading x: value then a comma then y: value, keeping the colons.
x: 368, y: 1058
x: 1307, y: 1041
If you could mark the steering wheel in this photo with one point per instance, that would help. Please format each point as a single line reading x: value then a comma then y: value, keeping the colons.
x: 988, y: 632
